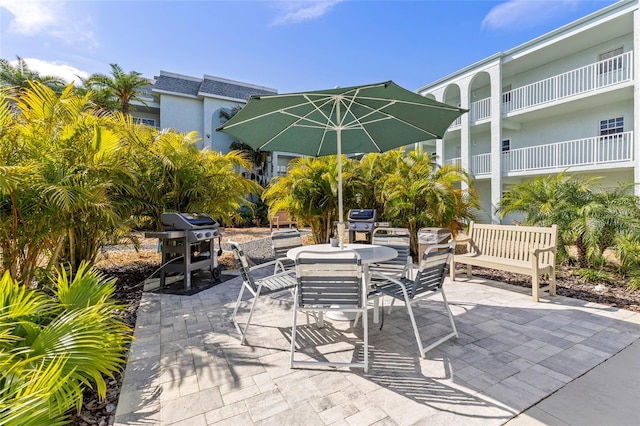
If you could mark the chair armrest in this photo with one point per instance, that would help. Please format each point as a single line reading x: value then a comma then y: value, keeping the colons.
x: 383, y: 276
x: 280, y: 264
x: 270, y: 263
x: 464, y: 239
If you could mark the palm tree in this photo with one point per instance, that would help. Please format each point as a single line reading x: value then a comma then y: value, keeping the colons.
x: 309, y: 192
x: 125, y: 87
x: 75, y: 197
x: 16, y: 78
x: 588, y: 216
x: 172, y: 174
x: 418, y: 193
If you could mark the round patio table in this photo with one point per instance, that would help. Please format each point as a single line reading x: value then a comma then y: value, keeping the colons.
x: 369, y: 253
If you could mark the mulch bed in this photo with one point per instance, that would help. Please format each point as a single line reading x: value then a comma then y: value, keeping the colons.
x: 129, y: 291
x: 615, y: 294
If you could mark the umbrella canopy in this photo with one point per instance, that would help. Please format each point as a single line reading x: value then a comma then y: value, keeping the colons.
x: 359, y: 119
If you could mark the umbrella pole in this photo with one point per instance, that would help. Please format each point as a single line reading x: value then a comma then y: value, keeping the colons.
x: 339, y: 153
x: 340, y: 208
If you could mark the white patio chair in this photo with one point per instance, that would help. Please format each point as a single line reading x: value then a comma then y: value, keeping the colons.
x: 400, y: 240
x: 330, y: 282
x: 258, y: 286
x: 429, y: 280
x: 281, y: 242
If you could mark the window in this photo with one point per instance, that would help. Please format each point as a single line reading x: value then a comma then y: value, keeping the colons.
x: 506, y: 145
x: 611, y: 126
x: 609, y: 62
x: 147, y: 121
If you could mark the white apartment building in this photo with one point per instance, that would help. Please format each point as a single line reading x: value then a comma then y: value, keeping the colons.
x: 568, y: 100
x: 186, y: 103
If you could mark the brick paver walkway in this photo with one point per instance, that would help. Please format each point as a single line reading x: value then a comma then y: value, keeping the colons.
x: 186, y: 366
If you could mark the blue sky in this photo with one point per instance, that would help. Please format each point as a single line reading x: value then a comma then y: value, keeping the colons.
x: 286, y: 45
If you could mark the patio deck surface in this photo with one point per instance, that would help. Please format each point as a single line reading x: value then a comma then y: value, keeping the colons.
x: 186, y: 366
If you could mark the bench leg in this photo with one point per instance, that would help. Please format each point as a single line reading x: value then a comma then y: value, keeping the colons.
x: 552, y: 282
x: 469, y: 271
x: 452, y: 271
x: 535, y: 287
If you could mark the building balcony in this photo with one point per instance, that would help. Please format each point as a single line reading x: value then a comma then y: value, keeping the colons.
x: 479, y: 110
x: 599, y: 75
x: 599, y: 152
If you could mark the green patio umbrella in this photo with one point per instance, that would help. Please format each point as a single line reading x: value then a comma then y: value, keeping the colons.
x: 359, y: 119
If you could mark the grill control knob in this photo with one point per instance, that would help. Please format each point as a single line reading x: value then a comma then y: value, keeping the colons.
x: 208, y: 234
x: 199, y: 235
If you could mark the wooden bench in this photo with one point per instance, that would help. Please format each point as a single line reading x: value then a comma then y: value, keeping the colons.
x: 528, y: 250
x: 282, y: 218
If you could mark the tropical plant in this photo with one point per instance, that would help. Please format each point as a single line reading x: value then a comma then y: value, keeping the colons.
x: 172, y: 174
x: 627, y: 248
x: 18, y: 78
x: 253, y: 155
x: 65, y: 181
x: 122, y: 86
x: 309, y: 191
x: 53, y: 347
x: 407, y: 189
x: 589, y: 216
x: 593, y: 276
x: 416, y: 193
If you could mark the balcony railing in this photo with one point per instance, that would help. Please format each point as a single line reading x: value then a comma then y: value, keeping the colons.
x: 580, y: 152
x: 481, y: 164
x: 455, y: 161
x: 616, y: 148
x: 598, y: 75
x: 480, y: 109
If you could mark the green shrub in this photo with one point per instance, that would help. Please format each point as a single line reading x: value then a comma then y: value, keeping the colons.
x: 593, y: 276
x: 634, y: 282
x: 52, y: 347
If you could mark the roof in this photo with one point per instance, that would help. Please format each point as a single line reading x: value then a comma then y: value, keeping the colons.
x: 209, y: 86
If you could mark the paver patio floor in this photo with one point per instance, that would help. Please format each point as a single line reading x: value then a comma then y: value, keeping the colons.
x: 186, y: 366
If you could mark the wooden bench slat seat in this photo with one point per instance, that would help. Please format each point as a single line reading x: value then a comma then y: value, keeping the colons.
x: 528, y: 250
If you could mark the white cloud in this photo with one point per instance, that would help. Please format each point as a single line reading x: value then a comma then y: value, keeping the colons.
x: 49, y: 18
x: 67, y: 72
x: 525, y: 13
x: 294, y: 12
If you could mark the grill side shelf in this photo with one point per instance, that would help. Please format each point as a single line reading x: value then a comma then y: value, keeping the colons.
x: 166, y: 234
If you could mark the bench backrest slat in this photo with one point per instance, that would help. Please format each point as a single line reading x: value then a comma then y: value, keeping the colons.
x: 511, y: 241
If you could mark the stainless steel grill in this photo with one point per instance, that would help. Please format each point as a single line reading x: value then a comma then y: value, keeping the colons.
x: 361, y: 224
x: 187, y: 242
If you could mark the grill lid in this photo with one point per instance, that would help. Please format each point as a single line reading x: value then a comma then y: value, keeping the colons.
x: 187, y: 221
x: 362, y: 215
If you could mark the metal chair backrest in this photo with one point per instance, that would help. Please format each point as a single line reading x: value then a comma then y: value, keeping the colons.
x: 434, y: 267
x: 326, y: 279
x: 245, y: 268
x: 284, y: 240
x: 396, y: 238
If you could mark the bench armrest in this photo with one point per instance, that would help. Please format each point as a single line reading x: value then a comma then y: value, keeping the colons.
x: 534, y: 252
x: 464, y: 239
